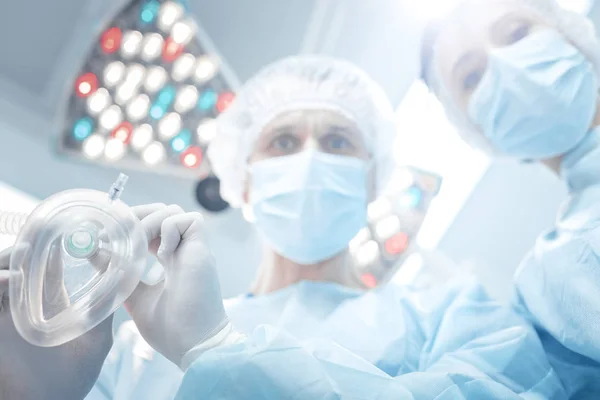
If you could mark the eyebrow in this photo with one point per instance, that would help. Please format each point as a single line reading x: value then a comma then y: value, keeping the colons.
x: 500, y: 22
x: 341, y: 129
x: 351, y: 132
x: 267, y: 135
x: 283, y: 128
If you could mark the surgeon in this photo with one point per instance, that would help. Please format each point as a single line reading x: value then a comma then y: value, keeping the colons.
x: 305, y: 146
x: 519, y: 78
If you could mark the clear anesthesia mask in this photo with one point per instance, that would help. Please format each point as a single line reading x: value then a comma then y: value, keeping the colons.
x: 78, y: 256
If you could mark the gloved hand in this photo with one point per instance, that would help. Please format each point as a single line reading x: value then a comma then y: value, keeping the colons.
x: 186, y: 308
x: 68, y: 371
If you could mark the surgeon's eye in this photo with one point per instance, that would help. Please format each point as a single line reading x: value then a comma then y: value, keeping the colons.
x: 510, y: 29
x: 472, y: 79
x: 336, y: 143
x: 519, y: 32
x: 285, y: 144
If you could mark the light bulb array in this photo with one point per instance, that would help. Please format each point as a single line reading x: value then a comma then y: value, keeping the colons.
x: 148, y: 93
x: 394, y: 219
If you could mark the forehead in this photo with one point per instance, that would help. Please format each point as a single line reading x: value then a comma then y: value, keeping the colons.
x: 468, y: 26
x: 309, y: 118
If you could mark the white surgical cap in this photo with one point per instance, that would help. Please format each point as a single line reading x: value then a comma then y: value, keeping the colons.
x: 300, y: 83
x: 577, y: 28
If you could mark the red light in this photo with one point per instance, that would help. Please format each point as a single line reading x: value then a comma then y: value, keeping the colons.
x: 111, y: 40
x: 192, y: 157
x: 225, y: 99
x: 397, y: 243
x: 123, y: 132
x: 86, y: 84
x: 171, y: 50
x: 369, y: 280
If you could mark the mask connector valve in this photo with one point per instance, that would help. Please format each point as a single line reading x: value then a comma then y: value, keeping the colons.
x: 116, y: 190
x: 82, y: 242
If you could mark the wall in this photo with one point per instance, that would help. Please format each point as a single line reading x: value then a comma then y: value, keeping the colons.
x: 500, y: 221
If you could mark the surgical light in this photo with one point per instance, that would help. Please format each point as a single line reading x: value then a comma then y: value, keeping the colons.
x: 411, y: 198
x: 152, y: 81
x: 149, y: 11
x: 124, y: 93
x: 114, y: 149
x: 123, y: 132
x: 192, y: 157
x: 207, y: 129
x: 208, y: 100
x: 166, y: 96
x: 400, y: 180
x: 206, y: 68
x: 224, y: 100
x: 98, y: 102
x: 154, y: 153
x: 169, y: 126
x: 157, y: 111
x: 183, y: 67
x: 169, y: 13
x: 367, y: 253
x: 113, y: 73
x: 361, y: 237
x: 111, y: 40
x: 394, y: 221
x: 135, y: 74
x: 397, y: 244
x: 180, y: 142
x: 86, y: 84
x: 83, y: 128
x: 379, y: 209
x: 131, y: 44
x: 137, y: 109
x: 186, y: 99
x: 171, y: 50
x: 111, y: 117
x: 141, y: 137
x: 156, y: 78
x: 93, y: 147
x: 183, y: 31
x: 387, y: 227
x: 369, y: 280
x: 152, y: 46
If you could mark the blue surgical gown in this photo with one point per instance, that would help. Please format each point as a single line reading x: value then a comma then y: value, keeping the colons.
x: 324, y: 341
x: 558, y: 282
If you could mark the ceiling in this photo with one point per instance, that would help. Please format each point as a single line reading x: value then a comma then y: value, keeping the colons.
x: 44, y: 46
x: 36, y: 74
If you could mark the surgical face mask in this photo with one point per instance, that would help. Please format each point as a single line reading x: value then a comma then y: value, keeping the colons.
x: 308, y: 206
x: 537, y: 98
